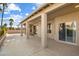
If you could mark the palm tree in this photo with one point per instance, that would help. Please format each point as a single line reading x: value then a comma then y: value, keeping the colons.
x: 5, y: 24
x: 11, y: 22
x: 4, y: 5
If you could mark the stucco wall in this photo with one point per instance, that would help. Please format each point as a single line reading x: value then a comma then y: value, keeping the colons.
x: 67, y: 18
x: 55, y: 25
x: 51, y: 35
x: 38, y: 28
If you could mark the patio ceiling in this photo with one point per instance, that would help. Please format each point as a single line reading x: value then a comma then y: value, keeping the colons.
x: 63, y: 10
x: 36, y: 20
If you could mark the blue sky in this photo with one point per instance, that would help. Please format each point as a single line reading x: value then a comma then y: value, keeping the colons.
x: 18, y: 11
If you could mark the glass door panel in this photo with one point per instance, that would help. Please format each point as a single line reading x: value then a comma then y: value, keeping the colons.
x: 67, y: 31
x: 62, y: 31
x: 71, y: 31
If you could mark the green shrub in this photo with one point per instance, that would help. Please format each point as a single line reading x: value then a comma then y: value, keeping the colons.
x: 1, y: 32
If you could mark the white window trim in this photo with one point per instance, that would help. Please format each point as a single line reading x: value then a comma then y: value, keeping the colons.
x: 65, y: 42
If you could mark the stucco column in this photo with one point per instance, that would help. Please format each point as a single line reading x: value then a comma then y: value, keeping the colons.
x: 21, y: 30
x: 27, y: 30
x: 44, y: 30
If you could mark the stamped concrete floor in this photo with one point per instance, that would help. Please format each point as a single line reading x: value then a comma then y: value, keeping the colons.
x: 15, y: 45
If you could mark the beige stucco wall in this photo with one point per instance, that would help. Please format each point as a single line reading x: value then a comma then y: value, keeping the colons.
x: 67, y: 18
x: 55, y: 22
x: 51, y: 35
x: 38, y: 28
x: 55, y: 25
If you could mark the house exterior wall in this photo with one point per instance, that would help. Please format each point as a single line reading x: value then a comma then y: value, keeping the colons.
x: 38, y: 29
x: 51, y: 35
x: 55, y: 25
x: 67, y: 18
x: 55, y: 22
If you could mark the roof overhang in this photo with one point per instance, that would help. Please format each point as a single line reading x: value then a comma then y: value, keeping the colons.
x: 41, y: 8
x: 36, y: 11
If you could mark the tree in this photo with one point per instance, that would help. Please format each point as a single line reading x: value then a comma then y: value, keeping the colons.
x: 11, y: 22
x: 4, y: 5
x: 5, y: 25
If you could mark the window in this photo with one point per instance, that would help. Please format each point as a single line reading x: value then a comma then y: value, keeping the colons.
x: 30, y: 29
x: 62, y: 31
x: 34, y: 29
x: 49, y: 28
x: 67, y: 31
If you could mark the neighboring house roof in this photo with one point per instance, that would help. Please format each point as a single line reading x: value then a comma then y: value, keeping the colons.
x: 38, y: 9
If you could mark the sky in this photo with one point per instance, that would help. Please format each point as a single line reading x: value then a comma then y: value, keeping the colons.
x: 18, y: 11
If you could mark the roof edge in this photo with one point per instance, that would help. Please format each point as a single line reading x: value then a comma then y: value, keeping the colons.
x: 34, y: 12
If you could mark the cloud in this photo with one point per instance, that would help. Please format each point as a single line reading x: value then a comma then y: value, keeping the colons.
x: 6, y: 12
x: 38, y: 4
x: 16, y: 17
x: 1, y: 6
x: 14, y: 7
x: 5, y: 19
x: 33, y: 8
x: 27, y: 14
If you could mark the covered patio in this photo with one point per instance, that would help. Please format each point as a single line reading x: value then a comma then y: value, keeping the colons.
x: 37, y: 23
x: 15, y: 45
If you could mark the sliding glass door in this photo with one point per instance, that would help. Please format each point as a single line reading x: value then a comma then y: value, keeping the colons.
x: 62, y: 32
x: 67, y: 31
